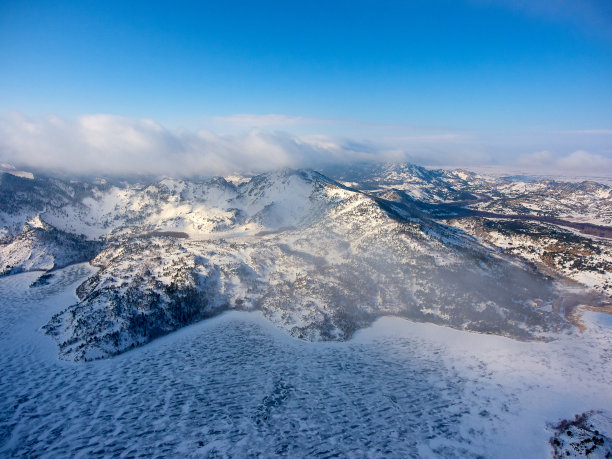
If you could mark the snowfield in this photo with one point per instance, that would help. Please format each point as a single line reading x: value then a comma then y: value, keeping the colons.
x: 236, y: 386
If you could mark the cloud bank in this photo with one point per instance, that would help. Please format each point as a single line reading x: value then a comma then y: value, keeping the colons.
x: 107, y: 145
x: 114, y: 145
x: 579, y: 161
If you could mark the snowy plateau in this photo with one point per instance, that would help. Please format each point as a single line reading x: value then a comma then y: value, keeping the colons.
x: 376, y: 310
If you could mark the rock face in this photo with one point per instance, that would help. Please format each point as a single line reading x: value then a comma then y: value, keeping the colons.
x: 319, y: 258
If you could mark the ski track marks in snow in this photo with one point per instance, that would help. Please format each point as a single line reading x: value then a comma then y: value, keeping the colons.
x: 236, y: 386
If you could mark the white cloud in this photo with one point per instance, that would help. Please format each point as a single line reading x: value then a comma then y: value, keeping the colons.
x: 585, y: 161
x: 578, y: 162
x: 114, y: 145
x: 107, y: 144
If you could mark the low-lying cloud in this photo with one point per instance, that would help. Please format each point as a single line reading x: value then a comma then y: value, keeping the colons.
x: 107, y: 144
x: 112, y: 145
x: 578, y: 161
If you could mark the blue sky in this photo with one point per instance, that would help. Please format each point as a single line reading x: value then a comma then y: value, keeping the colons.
x: 500, y: 78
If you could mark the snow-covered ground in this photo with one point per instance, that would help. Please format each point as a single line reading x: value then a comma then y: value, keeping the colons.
x: 496, y: 171
x: 237, y: 386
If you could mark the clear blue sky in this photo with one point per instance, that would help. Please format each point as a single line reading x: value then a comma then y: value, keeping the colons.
x: 486, y: 65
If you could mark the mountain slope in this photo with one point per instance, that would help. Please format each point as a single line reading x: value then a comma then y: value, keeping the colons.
x: 343, y: 262
x: 320, y: 259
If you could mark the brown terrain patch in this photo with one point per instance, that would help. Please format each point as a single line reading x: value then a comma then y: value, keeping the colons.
x: 585, y: 228
x: 575, y: 316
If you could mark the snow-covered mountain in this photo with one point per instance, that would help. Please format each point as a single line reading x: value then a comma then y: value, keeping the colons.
x: 547, y: 222
x: 585, y: 201
x: 320, y: 258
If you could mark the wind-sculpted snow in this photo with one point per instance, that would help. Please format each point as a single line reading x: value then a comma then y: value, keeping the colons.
x: 233, y: 386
